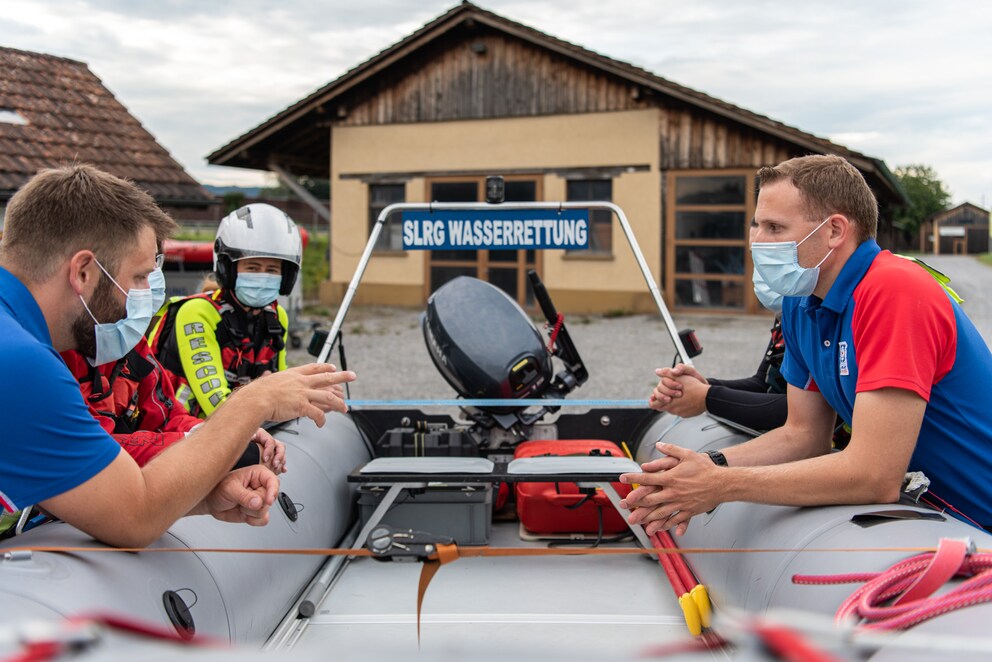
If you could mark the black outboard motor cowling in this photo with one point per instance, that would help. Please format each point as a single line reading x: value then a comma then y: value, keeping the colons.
x: 483, y: 343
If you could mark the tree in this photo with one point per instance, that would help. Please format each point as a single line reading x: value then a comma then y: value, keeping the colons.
x: 926, y: 193
x: 233, y: 200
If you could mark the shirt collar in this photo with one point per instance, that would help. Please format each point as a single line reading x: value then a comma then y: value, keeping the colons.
x: 16, y: 298
x: 850, y: 275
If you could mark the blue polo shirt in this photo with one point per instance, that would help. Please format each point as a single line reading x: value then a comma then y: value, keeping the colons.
x: 50, y: 442
x: 887, y: 323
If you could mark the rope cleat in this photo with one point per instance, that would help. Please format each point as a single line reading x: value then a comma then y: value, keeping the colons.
x: 388, y: 544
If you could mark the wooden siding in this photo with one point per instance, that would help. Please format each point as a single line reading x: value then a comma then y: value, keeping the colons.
x: 515, y: 79
x: 510, y: 79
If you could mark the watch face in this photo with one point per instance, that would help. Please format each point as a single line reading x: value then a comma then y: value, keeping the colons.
x: 718, y: 458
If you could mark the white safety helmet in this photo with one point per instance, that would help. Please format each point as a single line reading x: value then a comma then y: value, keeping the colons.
x: 257, y: 230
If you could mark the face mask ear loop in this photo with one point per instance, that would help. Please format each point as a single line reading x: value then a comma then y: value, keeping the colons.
x: 118, y: 286
x: 818, y: 264
x: 95, y: 320
x: 812, y: 232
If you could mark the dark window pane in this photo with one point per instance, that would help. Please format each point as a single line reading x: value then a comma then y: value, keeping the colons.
x: 726, y: 190
x: 455, y: 192
x: 709, y: 259
x: 709, y: 293
x: 464, y: 256
x: 600, y: 220
x: 380, y: 197
x: 519, y: 190
x: 710, y: 224
x: 531, y: 256
x: 441, y: 275
x: 503, y: 256
x: 506, y: 280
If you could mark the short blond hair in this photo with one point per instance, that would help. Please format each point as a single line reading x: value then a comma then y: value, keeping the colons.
x: 829, y: 185
x: 64, y: 210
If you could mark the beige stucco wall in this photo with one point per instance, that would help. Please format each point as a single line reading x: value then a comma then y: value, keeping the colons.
x: 492, y: 146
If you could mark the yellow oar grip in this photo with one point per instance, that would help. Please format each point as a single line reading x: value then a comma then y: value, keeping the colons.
x: 691, y: 613
x: 702, y: 600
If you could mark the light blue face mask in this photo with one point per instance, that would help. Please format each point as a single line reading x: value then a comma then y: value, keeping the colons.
x: 770, y: 300
x: 156, y: 281
x: 114, y: 340
x: 257, y: 290
x: 778, y: 264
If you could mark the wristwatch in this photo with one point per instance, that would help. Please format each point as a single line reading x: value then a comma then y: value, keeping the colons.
x: 719, y: 459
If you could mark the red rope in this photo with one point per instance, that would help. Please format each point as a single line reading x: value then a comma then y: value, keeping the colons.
x: 902, y: 596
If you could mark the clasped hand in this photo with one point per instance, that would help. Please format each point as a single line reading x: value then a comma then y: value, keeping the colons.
x: 672, y: 489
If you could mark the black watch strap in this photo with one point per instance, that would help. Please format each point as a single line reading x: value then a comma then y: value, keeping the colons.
x: 719, y: 459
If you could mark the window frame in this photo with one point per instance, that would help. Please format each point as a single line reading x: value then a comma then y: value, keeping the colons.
x: 593, y: 253
x: 749, y: 302
x: 374, y: 209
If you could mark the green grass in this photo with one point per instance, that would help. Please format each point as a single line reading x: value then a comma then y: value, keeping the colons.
x: 986, y: 258
x: 189, y: 234
x: 314, y: 265
x: 314, y: 257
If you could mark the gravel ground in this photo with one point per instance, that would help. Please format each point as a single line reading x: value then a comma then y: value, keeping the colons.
x: 386, y: 347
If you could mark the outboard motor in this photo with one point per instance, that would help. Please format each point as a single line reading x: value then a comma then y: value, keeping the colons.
x: 486, y: 347
x: 483, y: 343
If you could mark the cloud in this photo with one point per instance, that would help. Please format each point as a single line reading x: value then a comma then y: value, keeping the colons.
x: 902, y: 80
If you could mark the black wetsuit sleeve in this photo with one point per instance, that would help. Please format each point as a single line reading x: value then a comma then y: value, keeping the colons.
x: 747, y: 401
x: 756, y: 383
x: 758, y: 411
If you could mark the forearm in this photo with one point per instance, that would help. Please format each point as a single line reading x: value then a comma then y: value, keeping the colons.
x: 752, y: 384
x: 758, y: 411
x: 825, y: 480
x: 185, y: 473
x: 777, y: 446
x: 145, y: 445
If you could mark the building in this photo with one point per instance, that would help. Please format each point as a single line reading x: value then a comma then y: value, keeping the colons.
x: 472, y: 94
x: 961, y: 230
x: 55, y: 111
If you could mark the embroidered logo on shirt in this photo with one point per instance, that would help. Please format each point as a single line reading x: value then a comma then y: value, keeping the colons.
x: 842, y: 347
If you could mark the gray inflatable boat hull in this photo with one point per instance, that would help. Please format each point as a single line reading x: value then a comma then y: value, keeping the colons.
x: 240, y: 598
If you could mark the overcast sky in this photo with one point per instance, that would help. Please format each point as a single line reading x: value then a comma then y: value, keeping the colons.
x: 907, y: 81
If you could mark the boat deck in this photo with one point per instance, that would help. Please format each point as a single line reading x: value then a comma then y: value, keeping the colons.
x: 594, y: 604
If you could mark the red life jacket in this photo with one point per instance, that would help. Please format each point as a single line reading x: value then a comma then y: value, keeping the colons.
x: 133, y: 400
x: 250, y: 344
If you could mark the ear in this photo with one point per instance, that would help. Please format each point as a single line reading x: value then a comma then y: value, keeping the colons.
x: 83, y: 272
x: 841, y: 229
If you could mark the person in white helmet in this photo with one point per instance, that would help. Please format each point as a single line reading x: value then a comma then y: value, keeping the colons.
x: 213, y: 342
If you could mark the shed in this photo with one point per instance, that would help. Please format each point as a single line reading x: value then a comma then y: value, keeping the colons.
x: 472, y: 93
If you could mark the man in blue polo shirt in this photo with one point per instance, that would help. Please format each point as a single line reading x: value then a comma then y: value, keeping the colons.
x: 869, y: 335
x: 78, y: 250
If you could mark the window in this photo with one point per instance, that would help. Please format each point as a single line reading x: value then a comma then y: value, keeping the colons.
x: 706, y: 257
x: 380, y: 197
x: 600, y: 220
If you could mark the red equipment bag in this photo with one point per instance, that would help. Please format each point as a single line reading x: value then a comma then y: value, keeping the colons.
x: 562, y: 507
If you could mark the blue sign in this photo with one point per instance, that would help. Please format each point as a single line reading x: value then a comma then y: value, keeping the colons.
x: 496, y: 229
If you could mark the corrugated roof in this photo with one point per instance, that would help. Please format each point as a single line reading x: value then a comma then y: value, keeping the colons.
x: 71, y: 117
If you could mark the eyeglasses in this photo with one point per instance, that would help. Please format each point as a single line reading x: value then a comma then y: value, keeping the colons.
x: 159, y: 260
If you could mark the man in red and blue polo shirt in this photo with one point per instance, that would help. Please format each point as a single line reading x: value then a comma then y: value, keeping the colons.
x: 869, y: 335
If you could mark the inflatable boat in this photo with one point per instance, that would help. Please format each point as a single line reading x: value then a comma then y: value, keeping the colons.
x: 515, y: 477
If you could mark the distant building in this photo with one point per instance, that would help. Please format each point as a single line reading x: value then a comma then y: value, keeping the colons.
x: 55, y: 111
x: 961, y: 230
x: 472, y: 94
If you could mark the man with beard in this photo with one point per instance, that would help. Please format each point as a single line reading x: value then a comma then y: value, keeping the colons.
x: 70, y: 232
